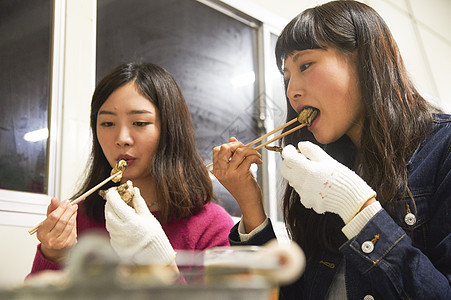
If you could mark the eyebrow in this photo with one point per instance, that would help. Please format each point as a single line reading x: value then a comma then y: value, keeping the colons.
x: 133, y: 112
x: 295, y: 58
x: 297, y: 55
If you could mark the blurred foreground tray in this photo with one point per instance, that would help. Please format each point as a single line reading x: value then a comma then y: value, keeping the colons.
x: 93, y: 271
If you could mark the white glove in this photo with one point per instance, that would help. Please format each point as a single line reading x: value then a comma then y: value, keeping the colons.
x: 136, y: 235
x: 323, y: 183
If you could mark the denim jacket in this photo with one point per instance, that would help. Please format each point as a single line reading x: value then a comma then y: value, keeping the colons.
x: 411, y: 256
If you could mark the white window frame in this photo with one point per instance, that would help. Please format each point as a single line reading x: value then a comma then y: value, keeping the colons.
x: 28, y: 209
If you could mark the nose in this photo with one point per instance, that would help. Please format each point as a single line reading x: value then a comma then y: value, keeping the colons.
x: 293, y: 90
x: 124, y: 137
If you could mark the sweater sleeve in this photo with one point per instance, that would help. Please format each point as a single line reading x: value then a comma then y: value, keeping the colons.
x: 259, y: 238
x: 246, y: 236
x: 40, y: 263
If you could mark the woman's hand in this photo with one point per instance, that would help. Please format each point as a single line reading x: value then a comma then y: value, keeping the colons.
x: 58, y: 233
x: 135, y: 234
x: 231, y: 166
x: 323, y: 183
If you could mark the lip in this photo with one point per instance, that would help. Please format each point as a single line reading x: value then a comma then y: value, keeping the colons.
x: 301, y: 107
x: 130, y: 159
x: 310, y: 128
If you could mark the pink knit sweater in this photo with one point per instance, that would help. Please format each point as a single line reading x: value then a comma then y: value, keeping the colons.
x: 208, y: 228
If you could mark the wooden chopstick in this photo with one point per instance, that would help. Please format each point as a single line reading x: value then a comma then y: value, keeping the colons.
x: 269, y: 133
x: 79, y: 199
x: 280, y: 136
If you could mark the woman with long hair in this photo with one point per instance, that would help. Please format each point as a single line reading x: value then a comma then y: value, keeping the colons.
x: 139, y: 114
x: 368, y: 193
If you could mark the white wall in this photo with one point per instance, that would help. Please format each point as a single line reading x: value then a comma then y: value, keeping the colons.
x: 421, y: 29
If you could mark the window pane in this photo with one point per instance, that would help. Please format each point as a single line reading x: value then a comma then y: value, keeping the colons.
x: 280, y: 112
x: 25, y: 28
x: 212, y: 56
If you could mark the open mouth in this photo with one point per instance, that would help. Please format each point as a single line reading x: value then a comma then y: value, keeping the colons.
x: 307, y: 115
x: 129, y: 159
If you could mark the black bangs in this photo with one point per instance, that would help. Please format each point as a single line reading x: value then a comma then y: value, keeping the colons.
x: 329, y: 25
x: 300, y: 34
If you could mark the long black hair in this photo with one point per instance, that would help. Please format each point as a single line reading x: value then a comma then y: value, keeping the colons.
x: 396, y: 116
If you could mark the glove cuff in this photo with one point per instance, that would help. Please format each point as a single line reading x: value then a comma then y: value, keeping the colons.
x: 159, y: 251
x: 361, y: 219
x: 351, y: 194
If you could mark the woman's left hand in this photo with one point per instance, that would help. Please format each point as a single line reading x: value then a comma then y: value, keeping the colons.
x: 135, y: 234
x: 323, y: 183
x: 231, y: 166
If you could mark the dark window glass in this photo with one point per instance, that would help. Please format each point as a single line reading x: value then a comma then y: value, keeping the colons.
x: 212, y: 56
x: 25, y: 31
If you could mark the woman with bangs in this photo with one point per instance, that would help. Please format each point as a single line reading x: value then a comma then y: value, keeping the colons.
x: 138, y: 113
x: 368, y: 194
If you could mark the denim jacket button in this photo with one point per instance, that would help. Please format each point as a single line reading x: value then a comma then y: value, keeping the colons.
x: 367, y: 247
x: 368, y: 297
x: 410, y: 219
